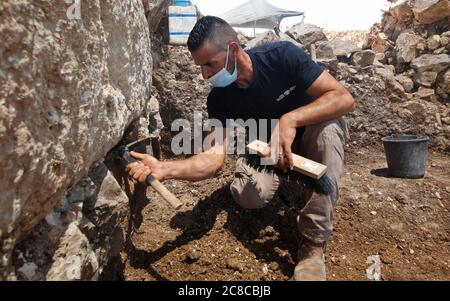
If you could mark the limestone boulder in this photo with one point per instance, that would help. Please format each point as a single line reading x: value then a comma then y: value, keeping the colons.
x: 408, y: 47
x: 72, y: 78
x: 431, y: 63
x: 306, y: 34
x: 430, y: 11
x: 363, y: 58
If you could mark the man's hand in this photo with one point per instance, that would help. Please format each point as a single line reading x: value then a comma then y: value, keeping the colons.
x: 282, y: 140
x: 147, y: 165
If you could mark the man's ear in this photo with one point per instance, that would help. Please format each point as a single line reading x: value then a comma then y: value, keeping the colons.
x: 234, y: 48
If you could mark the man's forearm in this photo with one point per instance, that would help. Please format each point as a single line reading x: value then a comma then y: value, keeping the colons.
x: 199, y: 167
x: 329, y: 106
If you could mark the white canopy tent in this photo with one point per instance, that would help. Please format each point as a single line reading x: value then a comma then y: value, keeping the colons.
x: 258, y: 14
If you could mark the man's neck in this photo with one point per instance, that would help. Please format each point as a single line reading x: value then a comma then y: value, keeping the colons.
x: 245, y: 68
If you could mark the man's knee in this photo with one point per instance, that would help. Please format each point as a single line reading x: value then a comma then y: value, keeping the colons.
x: 325, y: 143
x: 252, y: 189
x: 246, y: 193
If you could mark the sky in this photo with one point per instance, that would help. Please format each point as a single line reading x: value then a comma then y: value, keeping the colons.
x: 329, y: 14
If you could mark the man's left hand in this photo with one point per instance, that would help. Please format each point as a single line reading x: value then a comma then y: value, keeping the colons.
x: 287, y: 131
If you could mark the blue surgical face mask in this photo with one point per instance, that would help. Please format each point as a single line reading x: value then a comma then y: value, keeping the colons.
x: 223, y: 78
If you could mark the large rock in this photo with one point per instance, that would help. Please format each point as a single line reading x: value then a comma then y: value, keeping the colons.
x: 388, y: 76
x: 363, y: 58
x: 68, y: 89
x: 408, y: 47
x: 377, y: 40
x: 424, y: 93
x: 426, y: 78
x: 401, y: 10
x: 444, y: 82
x: 445, y: 39
x: 381, y: 44
x: 74, y: 259
x: 431, y: 63
x: 417, y: 109
x: 392, y: 27
x: 306, y: 34
x: 430, y: 11
x: 79, y: 238
x: 434, y: 42
x: 406, y: 82
x: 324, y: 50
x: 343, y: 47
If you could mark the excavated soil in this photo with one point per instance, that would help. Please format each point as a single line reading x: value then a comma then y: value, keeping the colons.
x: 405, y: 222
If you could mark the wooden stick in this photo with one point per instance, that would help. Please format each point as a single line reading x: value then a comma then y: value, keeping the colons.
x: 164, y: 192
x: 313, y: 53
x: 302, y: 165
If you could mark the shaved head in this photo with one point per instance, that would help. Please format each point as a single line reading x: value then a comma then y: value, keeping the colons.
x: 213, y: 30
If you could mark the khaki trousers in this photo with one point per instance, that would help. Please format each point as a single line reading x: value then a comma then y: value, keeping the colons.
x: 322, y: 143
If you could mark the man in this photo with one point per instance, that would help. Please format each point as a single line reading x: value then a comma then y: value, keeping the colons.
x: 272, y: 81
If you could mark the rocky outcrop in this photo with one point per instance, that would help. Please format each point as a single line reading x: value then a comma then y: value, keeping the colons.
x: 81, y: 236
x: 418, y: 32
x: 411, y: 73
x: 72, y: 79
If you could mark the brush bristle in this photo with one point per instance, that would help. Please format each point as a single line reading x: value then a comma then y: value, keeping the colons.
x: 321, y: 186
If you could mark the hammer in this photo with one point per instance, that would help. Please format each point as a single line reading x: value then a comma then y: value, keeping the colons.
x: 124, y: 153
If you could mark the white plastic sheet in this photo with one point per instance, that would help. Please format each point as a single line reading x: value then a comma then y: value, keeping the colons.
x: 257, y: 14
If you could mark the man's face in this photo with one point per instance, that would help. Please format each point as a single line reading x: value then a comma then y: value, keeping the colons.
x: 211, y: 60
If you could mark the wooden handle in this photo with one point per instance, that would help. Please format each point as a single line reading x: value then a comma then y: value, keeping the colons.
x: 157, y: 185
x: 303, y: 165
x: 164, y: 192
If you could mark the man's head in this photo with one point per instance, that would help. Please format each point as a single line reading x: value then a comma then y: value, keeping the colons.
x: 209, y: 42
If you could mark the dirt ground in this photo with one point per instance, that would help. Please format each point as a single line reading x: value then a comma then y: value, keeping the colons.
x: 405, y: 222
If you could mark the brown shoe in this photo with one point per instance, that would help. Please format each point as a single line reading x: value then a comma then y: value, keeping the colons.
x: 311, y: 262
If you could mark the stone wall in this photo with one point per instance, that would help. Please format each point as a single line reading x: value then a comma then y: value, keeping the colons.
x: 69, y: 87
x: 412, y: 46
x: 414, y: 38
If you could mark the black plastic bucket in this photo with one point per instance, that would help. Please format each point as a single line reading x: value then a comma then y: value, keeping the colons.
x: 406, y: 155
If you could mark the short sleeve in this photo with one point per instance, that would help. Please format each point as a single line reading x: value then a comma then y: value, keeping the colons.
x: 302, y: 69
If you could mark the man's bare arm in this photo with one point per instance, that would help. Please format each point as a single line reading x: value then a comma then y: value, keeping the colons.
x: 198, y: 167
x: 332, y: 101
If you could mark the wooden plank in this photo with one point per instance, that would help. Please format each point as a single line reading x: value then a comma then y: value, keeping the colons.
x: 302, y: 165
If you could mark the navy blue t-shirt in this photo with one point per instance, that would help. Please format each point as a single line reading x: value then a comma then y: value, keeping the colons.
x: 282, y: 72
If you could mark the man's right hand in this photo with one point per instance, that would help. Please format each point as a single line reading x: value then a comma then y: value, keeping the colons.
x: 147, y: 165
